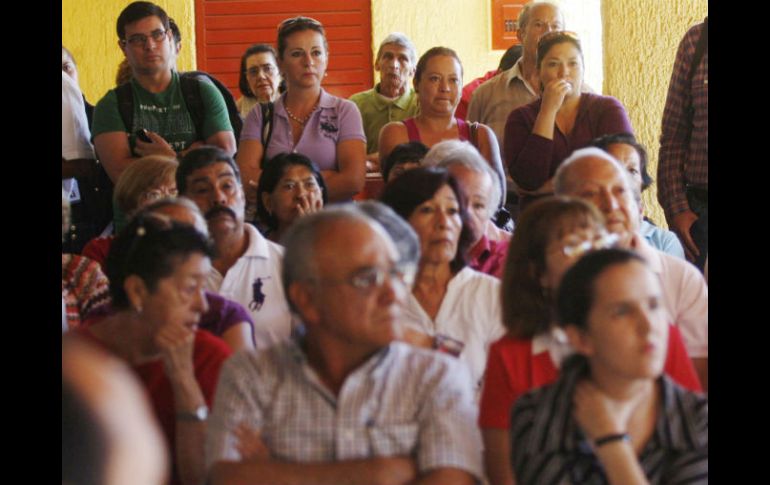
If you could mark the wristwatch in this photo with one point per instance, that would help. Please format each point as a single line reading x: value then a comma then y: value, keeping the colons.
x: 199, y: 414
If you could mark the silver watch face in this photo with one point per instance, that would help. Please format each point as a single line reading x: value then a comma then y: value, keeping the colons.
x: 202, y: 413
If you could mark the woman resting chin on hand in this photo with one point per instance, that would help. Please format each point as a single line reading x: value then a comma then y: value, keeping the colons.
x: 612, y: 417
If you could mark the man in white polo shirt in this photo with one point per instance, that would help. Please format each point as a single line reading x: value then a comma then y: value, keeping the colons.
x: 247, y: 268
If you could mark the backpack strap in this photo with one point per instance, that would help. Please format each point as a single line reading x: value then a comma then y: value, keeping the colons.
x: 267, y: 129
x: 700, y: 50
x: 191, y: 92
x: 232, y: 109
x: 126, y: 105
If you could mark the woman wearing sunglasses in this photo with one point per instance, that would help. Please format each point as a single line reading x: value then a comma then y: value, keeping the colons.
x: 306, y: 119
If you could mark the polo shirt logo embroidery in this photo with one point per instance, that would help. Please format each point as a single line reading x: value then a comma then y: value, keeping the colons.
x: 328, y: 123
x: 257, y: 296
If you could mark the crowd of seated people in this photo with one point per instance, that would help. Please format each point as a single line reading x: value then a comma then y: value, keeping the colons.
x: 282, y: 330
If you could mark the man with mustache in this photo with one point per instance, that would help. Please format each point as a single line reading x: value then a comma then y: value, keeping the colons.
x: 247, y: 267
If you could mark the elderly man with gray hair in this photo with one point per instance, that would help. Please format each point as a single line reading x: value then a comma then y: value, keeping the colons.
x: 494, y: 100
x: 344, y: 401
x: 393, y: 98
x: 481, y: 187
x: 594, y: 175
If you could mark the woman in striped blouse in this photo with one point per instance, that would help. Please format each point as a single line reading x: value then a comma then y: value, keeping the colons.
x: 612, y: 416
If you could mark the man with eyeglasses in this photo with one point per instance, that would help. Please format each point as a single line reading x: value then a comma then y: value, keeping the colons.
x: 493, y: 101
x: 595, y: 176
x: 393, y: 98
x: 247, y: 267
x: 345, y: 402
x: 162, y: 122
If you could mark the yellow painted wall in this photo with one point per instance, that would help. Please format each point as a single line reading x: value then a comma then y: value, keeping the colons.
x: 465, y: 26
x: 640, y: 40
x: 88, y: 31
x: 639, y: 52
x: 462, y: 25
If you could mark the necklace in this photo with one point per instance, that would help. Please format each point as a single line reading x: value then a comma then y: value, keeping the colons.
x: 297, y: 119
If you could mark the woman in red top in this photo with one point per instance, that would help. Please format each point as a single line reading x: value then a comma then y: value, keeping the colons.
x: 550, y: 236
x: 438, y: 81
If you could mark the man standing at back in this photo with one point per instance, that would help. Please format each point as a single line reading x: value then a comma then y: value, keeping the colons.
x: 393, y: 98
x: 174, y: 116
x: 683, y: 165
x: 494, y: 100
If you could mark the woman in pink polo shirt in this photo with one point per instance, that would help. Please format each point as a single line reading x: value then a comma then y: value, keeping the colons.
x: 306, y: 119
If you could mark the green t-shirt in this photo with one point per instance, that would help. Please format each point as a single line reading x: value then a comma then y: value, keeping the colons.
x: 164, y: 113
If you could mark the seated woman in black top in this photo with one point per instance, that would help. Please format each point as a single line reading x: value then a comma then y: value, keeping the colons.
x: 612, y: 417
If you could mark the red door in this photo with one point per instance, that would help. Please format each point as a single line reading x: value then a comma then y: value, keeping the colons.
x: 225, y: 28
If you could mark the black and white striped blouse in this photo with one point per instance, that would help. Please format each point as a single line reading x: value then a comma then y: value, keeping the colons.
x: 547, y: 446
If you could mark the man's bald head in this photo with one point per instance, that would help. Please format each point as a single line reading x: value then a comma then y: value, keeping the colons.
x: 595, y: 176
x: 578, y: 166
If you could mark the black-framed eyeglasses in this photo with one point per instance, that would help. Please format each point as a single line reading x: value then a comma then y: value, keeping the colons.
x: 140, y: 40
x: 267, y: 69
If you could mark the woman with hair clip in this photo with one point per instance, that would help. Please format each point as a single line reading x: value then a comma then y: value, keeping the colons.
x: 552, y: 234
x: 613, y: 416
x: 306, y: 119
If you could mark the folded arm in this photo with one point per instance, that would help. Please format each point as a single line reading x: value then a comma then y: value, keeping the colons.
x: 349, y: 179
x: 374, y: 471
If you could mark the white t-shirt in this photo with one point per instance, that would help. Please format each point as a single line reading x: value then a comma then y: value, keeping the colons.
x: 75, y: 135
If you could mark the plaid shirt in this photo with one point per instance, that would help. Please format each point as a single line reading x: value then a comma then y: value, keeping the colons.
x: 403, y: 401
x: 683, y: 158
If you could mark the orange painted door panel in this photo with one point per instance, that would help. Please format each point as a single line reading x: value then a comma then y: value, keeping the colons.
x: 504, y: 16
x: 225, y: 28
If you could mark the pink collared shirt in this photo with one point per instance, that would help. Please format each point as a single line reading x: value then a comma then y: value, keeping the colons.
x: 488, y: 256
